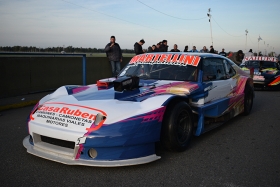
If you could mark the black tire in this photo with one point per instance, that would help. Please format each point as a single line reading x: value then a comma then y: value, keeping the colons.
x: 248, y: 99
x: 177, y: 127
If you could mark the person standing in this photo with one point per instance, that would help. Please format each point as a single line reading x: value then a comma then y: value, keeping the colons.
x: 211, y: 49
x: 154, y: 48
x: 175, y: 49
x: 223, y: 53
x: 239, y: 57
x: 158, y: 46
x: 163, y: 47
x: 230, y: 54
x: 138, y: 47
x: 186, y: 49
x: 150, y: 49
x: 204, y: 50
x: 114, y: 54
x: 194, y: 50
x: 249, y: 54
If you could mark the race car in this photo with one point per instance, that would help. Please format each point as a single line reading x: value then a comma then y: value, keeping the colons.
x: 265, y: 71
x: 157, y: 97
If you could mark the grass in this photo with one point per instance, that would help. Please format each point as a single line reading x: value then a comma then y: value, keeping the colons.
x: 87, y: 55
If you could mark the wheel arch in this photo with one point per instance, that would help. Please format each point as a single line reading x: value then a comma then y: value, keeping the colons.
x: 167, y: 138
x: 175, y: 99
x: 250, y: 83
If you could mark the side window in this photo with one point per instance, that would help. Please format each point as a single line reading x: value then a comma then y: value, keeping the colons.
x: 230, y: 72
x: 213, y: 69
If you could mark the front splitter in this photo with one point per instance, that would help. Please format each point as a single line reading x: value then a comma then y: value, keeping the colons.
x: 97, y: 163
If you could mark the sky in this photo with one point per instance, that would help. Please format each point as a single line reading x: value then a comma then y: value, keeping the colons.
x: 90, y: 23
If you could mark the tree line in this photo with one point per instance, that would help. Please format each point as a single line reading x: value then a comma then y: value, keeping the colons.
x: 69, y: 49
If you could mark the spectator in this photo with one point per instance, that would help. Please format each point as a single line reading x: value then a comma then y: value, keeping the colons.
x: 211, y: 49
x: 194, y: 50
x: 163, y: 47
x: 138, y: 47
x: 186, y: 49
x: 114, y: 54
x: 229, y: 54
x: 150, y: 50
x: 239, y: 57
x: 175, y: 49
x: 158, y: 46
x: 154, y: 48
x: 250, y: 53
x: 223, y: 53
x: 204, y: 50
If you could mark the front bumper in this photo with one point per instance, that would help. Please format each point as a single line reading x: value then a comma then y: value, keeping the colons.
x: 54, y: 156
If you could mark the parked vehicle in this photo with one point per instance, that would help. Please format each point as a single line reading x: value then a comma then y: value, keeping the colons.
x: 265, y: 71
x: 157, y: 97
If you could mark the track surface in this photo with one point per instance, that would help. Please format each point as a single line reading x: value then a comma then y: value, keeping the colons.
x: 243, y: 152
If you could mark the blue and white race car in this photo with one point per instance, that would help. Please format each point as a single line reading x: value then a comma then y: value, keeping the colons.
x: 157, y: 97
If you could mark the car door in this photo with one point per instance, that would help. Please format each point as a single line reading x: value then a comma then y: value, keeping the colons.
x: 217, y: 76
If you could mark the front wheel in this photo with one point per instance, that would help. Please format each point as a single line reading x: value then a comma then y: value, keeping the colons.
x: 177, y: 127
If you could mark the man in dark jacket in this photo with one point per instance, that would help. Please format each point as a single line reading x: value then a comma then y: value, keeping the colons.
x: 154, y: 48
x: 223, y: 53
x: 211, y: 49
x: 158, y: 46
x: 175, y: 49
x: 138, y: 47
x: 239, y: 57
x: 163, y: 47
x: 114, y: 54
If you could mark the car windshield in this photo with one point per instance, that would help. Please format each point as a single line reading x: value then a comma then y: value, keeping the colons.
x: 161, y: 72
x: 263, y: 64
x: 252, y: 64
x: 268, y: 64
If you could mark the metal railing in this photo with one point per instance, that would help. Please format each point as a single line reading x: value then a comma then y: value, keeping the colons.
x: 84, y: 60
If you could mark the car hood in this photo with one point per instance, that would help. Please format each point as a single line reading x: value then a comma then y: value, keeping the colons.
x: 147, y: 89
x: 115, y: 106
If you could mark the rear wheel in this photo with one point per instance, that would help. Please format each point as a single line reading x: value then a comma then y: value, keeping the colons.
x: 248, y: 99
x: 177, y: 127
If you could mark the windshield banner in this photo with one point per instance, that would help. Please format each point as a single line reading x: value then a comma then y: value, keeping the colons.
x: 169, y: 59
x: 262, y: 58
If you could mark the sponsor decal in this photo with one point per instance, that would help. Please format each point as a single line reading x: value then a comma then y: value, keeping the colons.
x: 275, y: 82
x: 259, y: 78
x: 68, y: 115
x: 169, y: 59
x: 262, y: 58
x: 271, y: 71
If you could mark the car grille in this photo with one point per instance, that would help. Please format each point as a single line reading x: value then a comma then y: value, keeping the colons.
x: 58, y: 142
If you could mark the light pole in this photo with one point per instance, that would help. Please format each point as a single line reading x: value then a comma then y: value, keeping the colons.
x: 259, y: 44
x: 209, y: 15
x: 246, y: 32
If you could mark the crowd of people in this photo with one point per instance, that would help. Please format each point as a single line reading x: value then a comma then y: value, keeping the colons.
x: 163, y: 47
x: 114, y: 53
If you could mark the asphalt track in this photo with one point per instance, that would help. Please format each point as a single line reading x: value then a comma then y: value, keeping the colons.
x: 243, y: 152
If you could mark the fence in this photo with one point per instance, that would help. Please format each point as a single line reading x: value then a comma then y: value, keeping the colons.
x: 23, y: 73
